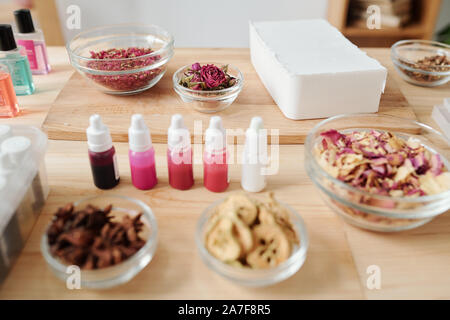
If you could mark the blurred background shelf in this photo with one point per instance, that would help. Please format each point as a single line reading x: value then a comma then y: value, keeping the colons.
x: 417, y: 22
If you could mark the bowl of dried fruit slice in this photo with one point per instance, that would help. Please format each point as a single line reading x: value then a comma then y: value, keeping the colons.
x: 100, y: 242
x: 422, y: 62
x: 251, y: 242
x: 379, y: 172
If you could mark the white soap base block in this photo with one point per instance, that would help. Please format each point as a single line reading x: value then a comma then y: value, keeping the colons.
x: 312, y: 71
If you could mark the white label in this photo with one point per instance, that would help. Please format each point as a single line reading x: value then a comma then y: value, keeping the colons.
x: 116, y: 167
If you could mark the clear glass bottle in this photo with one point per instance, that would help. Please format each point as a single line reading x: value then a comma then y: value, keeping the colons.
x: 8, y: 100
x: 33, y: 42
x: 18, y: 65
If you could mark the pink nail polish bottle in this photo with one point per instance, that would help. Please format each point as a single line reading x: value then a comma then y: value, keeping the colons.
x: 215, y: 166
x: 32, y: 40
x: 141, y: 154
x: 179, y: 155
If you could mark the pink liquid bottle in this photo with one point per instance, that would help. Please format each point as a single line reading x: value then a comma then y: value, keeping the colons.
x: 215, y: 166
x: 179, y: 155
x: 141, y: 154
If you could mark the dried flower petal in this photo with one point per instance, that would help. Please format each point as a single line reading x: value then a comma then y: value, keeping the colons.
x: 382, y: 163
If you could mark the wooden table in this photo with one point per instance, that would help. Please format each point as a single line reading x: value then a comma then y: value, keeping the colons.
x: 413, y: 264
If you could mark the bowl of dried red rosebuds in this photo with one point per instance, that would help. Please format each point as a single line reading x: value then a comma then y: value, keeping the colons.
x: 122, y: 59
x: 100, y: 242
x: 208, y: 87
x: 379, y: 172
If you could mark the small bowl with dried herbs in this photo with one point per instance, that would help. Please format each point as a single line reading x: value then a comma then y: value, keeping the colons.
x: 109, y: 239
x: 208, y: 87
x: 422, y: 62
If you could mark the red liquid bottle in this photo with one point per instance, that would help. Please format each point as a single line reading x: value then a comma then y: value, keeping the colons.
x: 179, y: 155
x: 215, y: 165
x: 102, y: 154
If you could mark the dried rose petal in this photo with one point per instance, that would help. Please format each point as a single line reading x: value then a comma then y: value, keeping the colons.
x: 382, y: 163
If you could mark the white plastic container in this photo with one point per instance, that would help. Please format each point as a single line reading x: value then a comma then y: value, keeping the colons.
x: 23, y: 188
x: 312, y: 71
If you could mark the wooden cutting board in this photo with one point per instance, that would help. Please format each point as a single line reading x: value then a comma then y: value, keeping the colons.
x: 68, y: 117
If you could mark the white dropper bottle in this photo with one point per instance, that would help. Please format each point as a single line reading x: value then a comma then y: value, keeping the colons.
x: 254, y: 157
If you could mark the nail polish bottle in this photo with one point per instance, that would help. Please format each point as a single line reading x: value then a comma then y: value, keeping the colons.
x: 32, y: 40
x: 102, y: 154
x: 254, y: 157
x: 215, y: 166
x: 18, y: 65
x: 9, y: 107
x: 141, y: 154
x: 179, y: 155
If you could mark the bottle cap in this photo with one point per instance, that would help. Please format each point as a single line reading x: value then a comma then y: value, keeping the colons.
x: 178, y: 136
x: 139, y: 135
x: 98, y: 136
x: 24, y: 21
x: 17, y: 148
x: 5, y: 132
x: 215, y: 136
x: 7, y: 41
x: 256, y: 140
x: 6, y: 165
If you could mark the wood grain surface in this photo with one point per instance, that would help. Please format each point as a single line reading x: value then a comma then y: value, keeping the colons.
x: 69, y: 115
x: 414, y: 264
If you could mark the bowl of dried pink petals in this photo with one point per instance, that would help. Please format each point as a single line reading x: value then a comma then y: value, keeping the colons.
x: 100, y: 242
x: 379, y: 172
x: 208, y: 87
x: 422, y: 62
x: 122, y: 59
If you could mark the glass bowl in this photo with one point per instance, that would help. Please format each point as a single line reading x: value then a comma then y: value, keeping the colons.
x: 406, y: 53
x: 254, y: 277
x: 367, y: 210
x: 209, y: 101
x: 125, y: 75
x: 124, y: 271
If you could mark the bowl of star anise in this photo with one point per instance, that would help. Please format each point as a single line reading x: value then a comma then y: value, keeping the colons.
x: 100, y: 242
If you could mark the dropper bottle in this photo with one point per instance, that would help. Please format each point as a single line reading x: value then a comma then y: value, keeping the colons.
x: 179, y: 154
x: 141, y: 154
x: 102, y: 154
x: 254, y: 157
x: 215, y: 166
